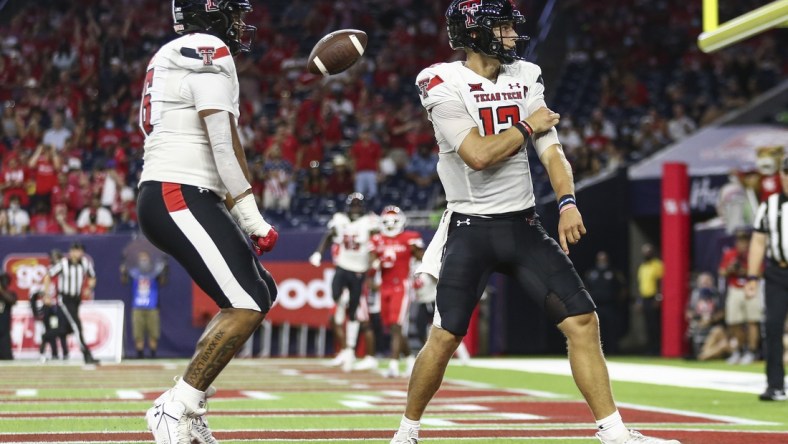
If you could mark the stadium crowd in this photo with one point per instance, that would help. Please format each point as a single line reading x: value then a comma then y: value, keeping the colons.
x: 71, y: 77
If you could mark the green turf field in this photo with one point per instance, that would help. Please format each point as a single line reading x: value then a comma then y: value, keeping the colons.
x: 283, y: 400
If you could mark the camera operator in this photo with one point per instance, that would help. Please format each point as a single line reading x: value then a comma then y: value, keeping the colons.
x: 7, y: 300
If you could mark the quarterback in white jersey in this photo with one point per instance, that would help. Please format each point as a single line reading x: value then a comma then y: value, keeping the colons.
x: 484, y: 111
x: 350, y: 234
x: 194, y: 171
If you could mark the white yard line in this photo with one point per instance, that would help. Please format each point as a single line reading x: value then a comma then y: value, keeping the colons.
x: 27, y: 392
x: 129, y: 394
x: 264, y: 396
x: 724, y: 380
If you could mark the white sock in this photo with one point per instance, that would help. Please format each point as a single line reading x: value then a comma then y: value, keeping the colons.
x: 462, y: 352
x: 407, y: 424
x: 351, y: 333
x: 612, y: 427
x: 188, y: 395
x: 394, y: 365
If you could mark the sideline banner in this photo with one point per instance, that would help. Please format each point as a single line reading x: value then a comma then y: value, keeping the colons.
x: 102, y: 322
x: 304, y: 296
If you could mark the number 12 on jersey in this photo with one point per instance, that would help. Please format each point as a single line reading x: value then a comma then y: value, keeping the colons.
x: 504, y: 114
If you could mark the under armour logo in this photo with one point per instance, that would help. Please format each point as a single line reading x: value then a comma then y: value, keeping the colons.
x: 207, y: 53
x: 464, y: 222
x: 202, y: 190
x: 513, y: 86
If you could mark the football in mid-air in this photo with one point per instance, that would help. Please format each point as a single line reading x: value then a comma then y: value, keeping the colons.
x: 337, y: 52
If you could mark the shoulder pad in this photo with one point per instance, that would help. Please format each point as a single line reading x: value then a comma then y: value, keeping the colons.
x: 202, y: 53
x: 338, y: 219
x: 434, y: 84
x: 528, y: 71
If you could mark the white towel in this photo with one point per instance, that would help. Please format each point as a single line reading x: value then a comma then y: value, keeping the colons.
x: 431, y: 262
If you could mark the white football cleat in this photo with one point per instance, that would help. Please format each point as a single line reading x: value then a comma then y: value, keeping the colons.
x: 367, y: 363
x: 201, y: 433
x: 169, y: 424
x: 636, y: 437
x: 350, y: 359
x: 393, y: 370
x: 340, y: 358
x: 408, y: 436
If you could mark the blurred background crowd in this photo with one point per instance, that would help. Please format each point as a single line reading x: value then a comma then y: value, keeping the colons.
x: 71, y: 76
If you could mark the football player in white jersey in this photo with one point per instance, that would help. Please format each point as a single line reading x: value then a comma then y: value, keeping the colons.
x: 194, y: 171
x: 350, y: 232
x: 484, y: 110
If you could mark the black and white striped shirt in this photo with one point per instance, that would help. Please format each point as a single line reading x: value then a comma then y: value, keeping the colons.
x: 71, y: 276
x: 770, y: 221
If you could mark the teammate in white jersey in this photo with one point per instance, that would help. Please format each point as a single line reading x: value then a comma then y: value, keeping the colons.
x: 194, y: 171
x: 484, y: 110
x: 350, y: 233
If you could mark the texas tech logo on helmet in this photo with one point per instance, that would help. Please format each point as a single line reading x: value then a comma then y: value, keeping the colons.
x: 469, y: 7
x: 211, y: 5
x: 207, y: 53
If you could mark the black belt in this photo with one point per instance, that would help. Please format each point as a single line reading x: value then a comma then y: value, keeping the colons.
x: 527, y: 213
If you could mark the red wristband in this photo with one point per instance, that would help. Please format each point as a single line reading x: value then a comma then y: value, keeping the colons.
x: 525, y: 129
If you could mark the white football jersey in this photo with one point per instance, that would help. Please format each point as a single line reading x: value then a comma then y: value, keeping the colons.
x: 189, y: 74
x: 469, y: 100
x: 352, y: 241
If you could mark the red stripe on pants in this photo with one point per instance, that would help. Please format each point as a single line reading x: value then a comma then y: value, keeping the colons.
x: 173, y: 197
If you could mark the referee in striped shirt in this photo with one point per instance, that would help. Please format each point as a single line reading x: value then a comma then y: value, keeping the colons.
x: 771, y: 239
x: 76, y: 279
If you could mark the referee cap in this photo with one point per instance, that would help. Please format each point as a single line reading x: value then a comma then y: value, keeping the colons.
x: 77, y: 245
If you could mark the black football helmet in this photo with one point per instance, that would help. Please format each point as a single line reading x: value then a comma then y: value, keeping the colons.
x: 355, y: 205
x: 222, y: 18
x: 471, y: 25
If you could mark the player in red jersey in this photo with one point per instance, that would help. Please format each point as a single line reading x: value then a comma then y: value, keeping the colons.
x: 395, y: 248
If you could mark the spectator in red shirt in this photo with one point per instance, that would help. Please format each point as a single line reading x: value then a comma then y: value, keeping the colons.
x: 330, y: 126
x: 313, y: 183
x: 80, y: 195
x: 45, y: 163
x: 12, y: 182
x: 310, y: 149
x: 61, y: 191
x: 286, y: 141
x: 109, y: 136
x: 366, y: 154
x: 64, y: 220
x: 742, y: 314
x: 43, y: 221
x: 341, y: 179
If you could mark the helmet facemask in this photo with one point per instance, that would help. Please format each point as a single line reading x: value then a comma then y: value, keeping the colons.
x: 491, y: 43
x: 240, y: 36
